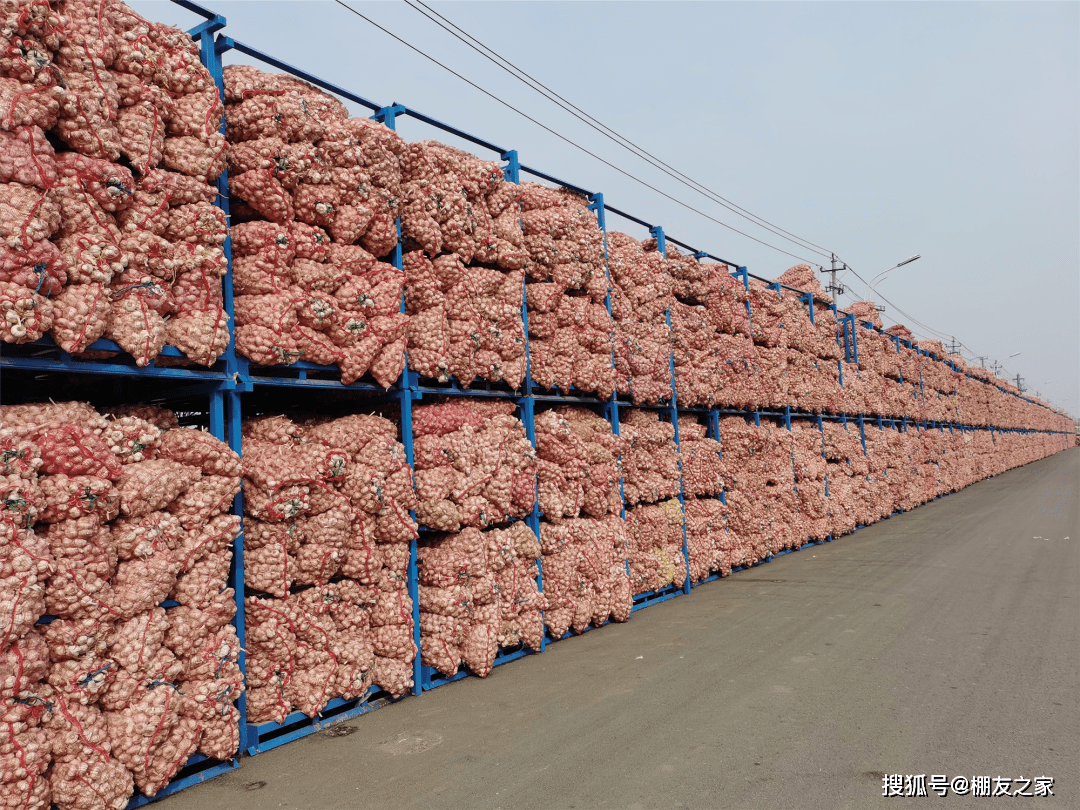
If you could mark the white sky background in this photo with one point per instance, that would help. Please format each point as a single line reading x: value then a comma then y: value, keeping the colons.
x: 878, y: 130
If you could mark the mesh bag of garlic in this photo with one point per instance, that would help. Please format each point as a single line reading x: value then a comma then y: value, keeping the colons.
x: 651, y: 464
x: 641, y: 296
x: 586, y: 576
x: 759, y: 481
x: 703, y: 321
x: 811, y: 472
x: 327, y: 534
x: 107, y: 517
x: 656, y: 545
x: 578, y: 464
x: 92, y: 248
x: 707, y: 539
x: 702, y: 472
x: 314, y: 195
x: 651, y: 475
x: 466, y: 276
x: 570, y: 330
x: 474, y: 465
x: 478, y: 593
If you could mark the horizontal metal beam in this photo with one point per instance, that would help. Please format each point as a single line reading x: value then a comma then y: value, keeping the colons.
x: 108, y: 369
x: 197, y: 9
x: 630, y: 217
x: 427, y: 119
x: 557, y: 181
x: 229, y: 44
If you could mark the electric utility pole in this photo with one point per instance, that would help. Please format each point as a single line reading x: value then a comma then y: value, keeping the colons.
x: 833, y: 288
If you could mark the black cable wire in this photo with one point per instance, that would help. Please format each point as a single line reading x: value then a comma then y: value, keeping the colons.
x: 638, y: 151
x: 930, y: 329
x: 567, y: 140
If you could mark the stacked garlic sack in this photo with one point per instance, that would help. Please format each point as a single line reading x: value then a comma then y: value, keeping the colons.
x: 90, y: 247
x: 759, y: 488
x: 703, y: 482
x: 465, y: 267
x: 578, y: 464
x: 847, y: 466
x: 710, y: 333
x: 26, y: 563
x: 131, y: 510
x: 641, y: 297
x: 474, y: 465
x: 709, y: 543
x: 326, y: 562
x: 654, y: 516
x: 475, y: 469
x: 570, y: 330
x: 585, y: 573
x: 811, y: 478
x: 314, y: 197
x: 478, y: 592
x: 579, y: 468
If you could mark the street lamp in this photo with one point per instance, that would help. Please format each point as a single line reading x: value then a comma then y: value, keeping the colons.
x: 1014, y: 354
x: 880, y: 276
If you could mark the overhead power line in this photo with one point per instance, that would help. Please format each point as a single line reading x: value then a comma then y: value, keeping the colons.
x: 569, y: 141
x: 505, y: 64
x: 936, y: 335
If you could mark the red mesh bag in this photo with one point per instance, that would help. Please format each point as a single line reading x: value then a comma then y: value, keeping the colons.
x: 80, y: 316
x: 23, y: 420
x: 41, y: 268
x: 132, y: 439
x: 25, y: 105
x: 202, y: 223
x: 203, y: 580
x: 202, y: 336
x: 178, y: 188
x: 200, y: 449
x: 197, y: 114
x: 27, y: 157
x: 91, y: 255
x: 136, y: 324
x: 392, y: 675
x: 141, y: 537
x: 71, y: 497
x: 85, y: 542
x: 76, y: 593
x: 93, y: 781
x: 140, y: 584
x: 87, y: 115
x: 27, y: 215
x: 74, y: 450
x: 25, y: 759
x: 147, y: 486
x: 203, y: 160
x: 140, y: 123
x: 26, y: 315
x: 23, y: 663
x: 264, y: 193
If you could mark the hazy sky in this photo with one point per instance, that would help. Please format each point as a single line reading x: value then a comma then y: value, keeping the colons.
x: 878, y: 130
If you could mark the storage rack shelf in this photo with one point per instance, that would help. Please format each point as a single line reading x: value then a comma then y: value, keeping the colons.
x: 225, y: 383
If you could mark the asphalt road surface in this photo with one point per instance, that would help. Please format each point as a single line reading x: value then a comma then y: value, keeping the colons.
x: 943, y: 641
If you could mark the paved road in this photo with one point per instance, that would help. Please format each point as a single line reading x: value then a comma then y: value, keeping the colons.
x: 946, y: 640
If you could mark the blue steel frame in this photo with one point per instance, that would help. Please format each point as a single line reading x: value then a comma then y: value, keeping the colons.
x: 232, y: 375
